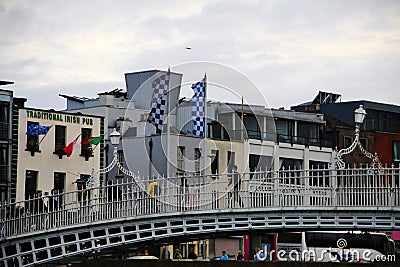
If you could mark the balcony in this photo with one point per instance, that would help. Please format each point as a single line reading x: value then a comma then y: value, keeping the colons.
x: 86, y: 151
x: 306, y: 141
x: 59, y: 151
x: 240, y: 135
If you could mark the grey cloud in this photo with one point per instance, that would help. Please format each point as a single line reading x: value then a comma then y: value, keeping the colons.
x: 284, y: 46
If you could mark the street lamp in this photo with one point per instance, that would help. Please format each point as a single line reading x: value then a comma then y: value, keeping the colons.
x: 337, y: 162
x: 359, y: 115
x: 114, y: 137
x: 93, y: 180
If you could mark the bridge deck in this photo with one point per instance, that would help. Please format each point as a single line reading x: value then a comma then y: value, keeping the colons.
x: 139, y: 210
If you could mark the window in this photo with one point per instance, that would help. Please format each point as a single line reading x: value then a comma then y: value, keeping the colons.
x: 259, y: 163
x: 363, y: 142
x: 215, y: 161
x: 319, y: 173
x: 121, y: 161
x: 83, y: 194
x: 284, y: 130
x: 59, y: 141
x: 86, y: 148
x: 59, y: 181
x: 4, y: 120
x: 396, y: 151
x: 216, y: 130
x: 3, y: 163
x: 252, y: 126
x: 393, y: 122
x: 30, y: 184
x: 253, y: 162
x: 32, y: 141
x: 180, y: 168
x: 3, y: 172
x: 290, y: 164
x: 347, y: 141
x: 292, y: 169
x: 308, y: 130
x: 231, y: 161
x: 197, y: 156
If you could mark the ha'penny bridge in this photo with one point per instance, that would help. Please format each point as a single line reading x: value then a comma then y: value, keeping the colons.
x: 138, y: 210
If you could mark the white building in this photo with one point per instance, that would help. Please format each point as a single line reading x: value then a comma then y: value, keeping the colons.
x: 42, y: 162
x: 267, y: 138
x: 126, y: 112
x: 251, y: 137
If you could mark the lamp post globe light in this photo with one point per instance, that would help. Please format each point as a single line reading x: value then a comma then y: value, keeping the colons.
x: 114, y: 137
x: 337, y: 162
x: 93, y: 181
x: 359, y: 115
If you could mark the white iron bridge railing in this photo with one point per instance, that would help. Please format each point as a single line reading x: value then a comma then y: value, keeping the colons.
x: 370, y: 189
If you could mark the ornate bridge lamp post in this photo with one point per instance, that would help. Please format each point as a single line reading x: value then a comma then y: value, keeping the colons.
x: 93, y: 181
x: 337, y: 162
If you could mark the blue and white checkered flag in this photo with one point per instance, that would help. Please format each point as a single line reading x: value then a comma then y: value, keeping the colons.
x: 198, y: 108
x: 159, y: 100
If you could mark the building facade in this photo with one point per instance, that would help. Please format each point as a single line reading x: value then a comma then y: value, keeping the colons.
x: 6, y: 103
x: 250, y: 136
x: 125, y: 112
x: 266, y: 140
x: 380, y: 131
x: 113, y: 107
x: 42, y: 161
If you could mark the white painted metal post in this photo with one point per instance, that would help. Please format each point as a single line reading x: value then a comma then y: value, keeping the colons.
x: 307, y: 192
x: 334, y: 187
x: 276, y: 188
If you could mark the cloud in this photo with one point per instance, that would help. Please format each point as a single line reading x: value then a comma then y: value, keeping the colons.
x: 290, y: 49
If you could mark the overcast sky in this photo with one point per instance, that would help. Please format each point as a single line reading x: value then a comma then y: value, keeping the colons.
x: 289, y: 49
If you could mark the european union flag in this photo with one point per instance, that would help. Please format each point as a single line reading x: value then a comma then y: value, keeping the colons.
x: 37, y: 129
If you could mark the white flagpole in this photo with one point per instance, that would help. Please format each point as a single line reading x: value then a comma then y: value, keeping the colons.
x: 44, y: 136
x: 205, y: 126
x: 168, y: 118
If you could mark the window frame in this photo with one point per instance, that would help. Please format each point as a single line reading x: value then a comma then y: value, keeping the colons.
x: 34, y: 176
x: 215, y: 162
x: 121, y: 160
x: 345, y: 139
x: 197, y: 159
x: 396, y: 151
x: 180, y: 160
x: 60, y: 145
x: 32, y: 141
x: 86, y: 149
x: 4, y: 119
x: 55, y: 183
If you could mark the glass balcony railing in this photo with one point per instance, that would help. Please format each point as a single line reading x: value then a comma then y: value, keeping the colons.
x: 300, y: 140
x: 239, y: 135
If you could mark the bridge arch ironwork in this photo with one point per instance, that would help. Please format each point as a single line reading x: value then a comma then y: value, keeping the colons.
x: 164, y: 208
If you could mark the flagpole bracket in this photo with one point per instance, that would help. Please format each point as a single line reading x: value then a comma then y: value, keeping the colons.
x: 33, y: 151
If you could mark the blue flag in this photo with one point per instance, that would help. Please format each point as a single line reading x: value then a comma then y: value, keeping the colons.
x: 37, y: 129
x: 159, y: 101
x: 198, y: 108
